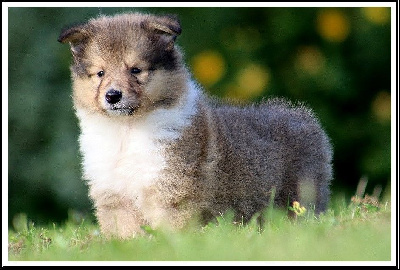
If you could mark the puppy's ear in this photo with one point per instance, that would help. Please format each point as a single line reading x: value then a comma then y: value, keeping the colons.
x: 168, y: 26
x: 76, y: 36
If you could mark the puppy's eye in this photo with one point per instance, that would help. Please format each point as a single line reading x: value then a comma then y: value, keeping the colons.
x: 135, y: 70
x: 100, y: 73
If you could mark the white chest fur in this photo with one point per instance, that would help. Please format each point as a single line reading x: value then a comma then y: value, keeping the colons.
x: 119, y: 159
x: 122, y: 157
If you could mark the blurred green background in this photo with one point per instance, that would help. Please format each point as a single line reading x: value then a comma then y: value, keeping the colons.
x: 337, y: 60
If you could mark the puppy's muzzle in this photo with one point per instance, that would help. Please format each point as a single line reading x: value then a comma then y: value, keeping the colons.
x: 113, y: 96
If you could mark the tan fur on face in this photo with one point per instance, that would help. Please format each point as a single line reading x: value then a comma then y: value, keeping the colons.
x: 114, y: 47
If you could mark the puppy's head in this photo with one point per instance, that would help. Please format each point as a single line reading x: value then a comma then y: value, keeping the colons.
x: 127, y: 64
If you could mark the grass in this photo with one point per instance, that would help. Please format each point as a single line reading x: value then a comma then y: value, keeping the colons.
x: 356, y: 231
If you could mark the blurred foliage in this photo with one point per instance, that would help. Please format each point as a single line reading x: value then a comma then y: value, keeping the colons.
x: 337, y: 60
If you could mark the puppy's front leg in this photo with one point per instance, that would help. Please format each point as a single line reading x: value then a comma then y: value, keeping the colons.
x: 122, y: 221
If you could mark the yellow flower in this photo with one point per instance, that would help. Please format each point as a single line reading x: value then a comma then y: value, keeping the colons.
x: 377, y: 15
x: 309, y: 59
x: 208, y: 67
x: 333, y: 25
x: 381, y: 106
x: 297, y: 208
x: 251, y: 81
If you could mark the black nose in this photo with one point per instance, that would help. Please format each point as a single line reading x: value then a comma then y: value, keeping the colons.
x: 113, y: 96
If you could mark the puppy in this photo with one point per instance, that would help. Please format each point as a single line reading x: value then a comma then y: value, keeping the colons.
x: 157, y: 151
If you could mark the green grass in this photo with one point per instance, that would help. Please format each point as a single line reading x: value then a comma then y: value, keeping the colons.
x: 356, y: 231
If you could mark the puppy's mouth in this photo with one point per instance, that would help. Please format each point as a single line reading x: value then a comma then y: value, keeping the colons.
x: 116, y: 109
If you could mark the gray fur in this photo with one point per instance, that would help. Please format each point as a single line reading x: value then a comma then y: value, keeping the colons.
x: 256, y: 151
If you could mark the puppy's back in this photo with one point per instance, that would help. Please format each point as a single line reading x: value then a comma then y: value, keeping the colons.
x: 273, y: 147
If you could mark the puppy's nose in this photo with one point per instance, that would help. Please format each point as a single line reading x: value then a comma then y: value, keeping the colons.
x: 113, y: 96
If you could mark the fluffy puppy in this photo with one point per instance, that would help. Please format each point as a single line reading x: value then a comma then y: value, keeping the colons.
x: 157, y: 151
